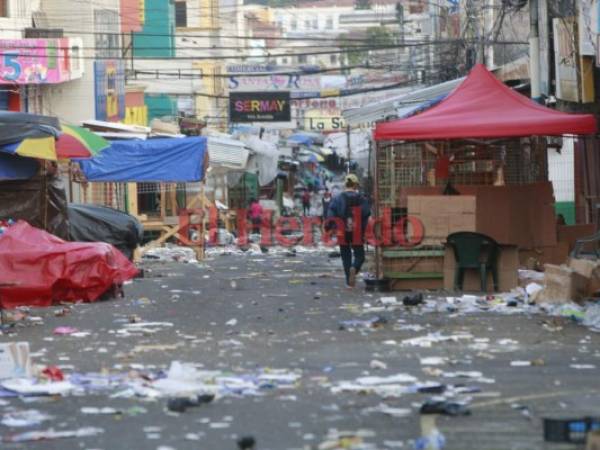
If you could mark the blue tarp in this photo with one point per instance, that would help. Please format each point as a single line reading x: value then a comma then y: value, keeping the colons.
x: 17, y: 167
x: 168, y: 160
x: 301, y: 139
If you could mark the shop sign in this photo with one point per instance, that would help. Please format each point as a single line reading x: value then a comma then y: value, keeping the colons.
x: 259, y: 107
x: 37, y: 61
x: 110, y: 90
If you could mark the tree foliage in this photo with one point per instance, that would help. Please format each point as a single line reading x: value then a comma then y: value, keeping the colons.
x: 375, y: 36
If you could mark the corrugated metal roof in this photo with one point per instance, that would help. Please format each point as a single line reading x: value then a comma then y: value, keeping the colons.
x: 227, y: 153
x: 389, y: 108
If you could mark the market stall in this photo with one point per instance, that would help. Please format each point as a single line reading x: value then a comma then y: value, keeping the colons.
x: 474, y: 162
x: 164, y: 161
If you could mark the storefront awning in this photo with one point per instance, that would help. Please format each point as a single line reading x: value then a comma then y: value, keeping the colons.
x: 483, y: 107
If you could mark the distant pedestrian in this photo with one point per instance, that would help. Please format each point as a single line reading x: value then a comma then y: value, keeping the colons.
x: 343, y: 206
x: 306, y: 202
x: 255, y: 214
x: 326, y: 202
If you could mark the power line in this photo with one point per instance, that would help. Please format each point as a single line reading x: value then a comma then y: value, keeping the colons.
x: 275, y: 55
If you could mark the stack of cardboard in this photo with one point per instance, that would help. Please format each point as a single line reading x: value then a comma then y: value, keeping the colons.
x: 573, y: 282
x: 442, y: 215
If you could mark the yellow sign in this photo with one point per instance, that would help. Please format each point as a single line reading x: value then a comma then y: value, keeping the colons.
x: 324, y: 120
x: 136, y: 115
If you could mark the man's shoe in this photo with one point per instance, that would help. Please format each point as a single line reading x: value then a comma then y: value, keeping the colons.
x: 352, y: 277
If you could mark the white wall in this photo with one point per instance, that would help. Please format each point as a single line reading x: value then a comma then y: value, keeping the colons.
x: 19, y: 17
x: 74, y: 101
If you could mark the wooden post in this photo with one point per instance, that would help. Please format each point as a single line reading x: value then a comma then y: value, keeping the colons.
x: 378, y: 273
x: 132, y: 199
x: 200, y: 249
x: 163, y: 202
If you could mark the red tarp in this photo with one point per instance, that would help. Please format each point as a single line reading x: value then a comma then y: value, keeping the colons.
x: 39, y: 269
x: 483, y: 107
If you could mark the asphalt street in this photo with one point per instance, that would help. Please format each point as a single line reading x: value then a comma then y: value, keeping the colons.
x: 243, y: 314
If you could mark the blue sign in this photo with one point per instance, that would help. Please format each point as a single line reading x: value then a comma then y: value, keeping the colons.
x: 109, y: 84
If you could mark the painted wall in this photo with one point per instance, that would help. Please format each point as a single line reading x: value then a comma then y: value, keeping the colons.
x: 157, y: 36
x: 136, y: 111
x: 160, y: 105
x: 132, y: 15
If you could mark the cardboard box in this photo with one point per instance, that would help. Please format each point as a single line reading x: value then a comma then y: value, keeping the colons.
x: 593, y: 440
x: 555, y: 254
x: 589, y: 269
x: 562, y: 284
x: 521, y: 215
x: 15, y: 361
x: 508, y: 275
x: 442, y: 215
x: 571, y: 233
x: 584, y: 267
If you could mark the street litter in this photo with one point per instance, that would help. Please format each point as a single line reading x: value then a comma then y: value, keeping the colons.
x: 444, y: 407
x: 246, y: 443
x: 172, y: 253
x: 28, y: 386
x: 26, y: 418
x: 391, y: 386
x: 388, y: 410
x: 61, y: 331
x: 583, y: 366
x: 413, y: 300
x: 339, y: 440
x: 99, y: 411
x: 433, y: 338
x: 52, y: 434
x: 372, y: 323
x: 433, y: 361
x: 53, y: 373
x: 375, y: 364
x: 15, y: 360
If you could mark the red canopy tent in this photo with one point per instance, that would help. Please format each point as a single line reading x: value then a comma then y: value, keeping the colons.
x: 483, y: 107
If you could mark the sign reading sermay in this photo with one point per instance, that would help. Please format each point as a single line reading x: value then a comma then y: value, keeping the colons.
x: 259, y: 107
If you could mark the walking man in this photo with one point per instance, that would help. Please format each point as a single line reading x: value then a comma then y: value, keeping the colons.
x: 349, y: 206
x: 306, y: 202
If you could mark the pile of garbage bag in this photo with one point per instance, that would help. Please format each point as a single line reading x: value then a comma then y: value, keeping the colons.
x: 39, y: 269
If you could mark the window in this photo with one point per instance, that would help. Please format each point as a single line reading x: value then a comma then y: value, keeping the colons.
x: 107, y: 35
x: 180, y: 14
x: 329, y: 25
x: 75, y: 58
x: 4, y: 8
x: 333, y: 59
x: 284, y: 60
x: 307, y: 24
x: 294, y: 24
x: 302, y: 59
x: 315, y: 23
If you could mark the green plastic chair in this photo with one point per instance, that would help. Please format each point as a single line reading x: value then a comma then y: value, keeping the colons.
x: 474, y: 251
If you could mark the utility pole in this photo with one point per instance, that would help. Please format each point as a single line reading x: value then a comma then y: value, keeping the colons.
x: 400, y: 18
x: 470, y: 34
x: 349, y: 148
x: 534, y: 50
